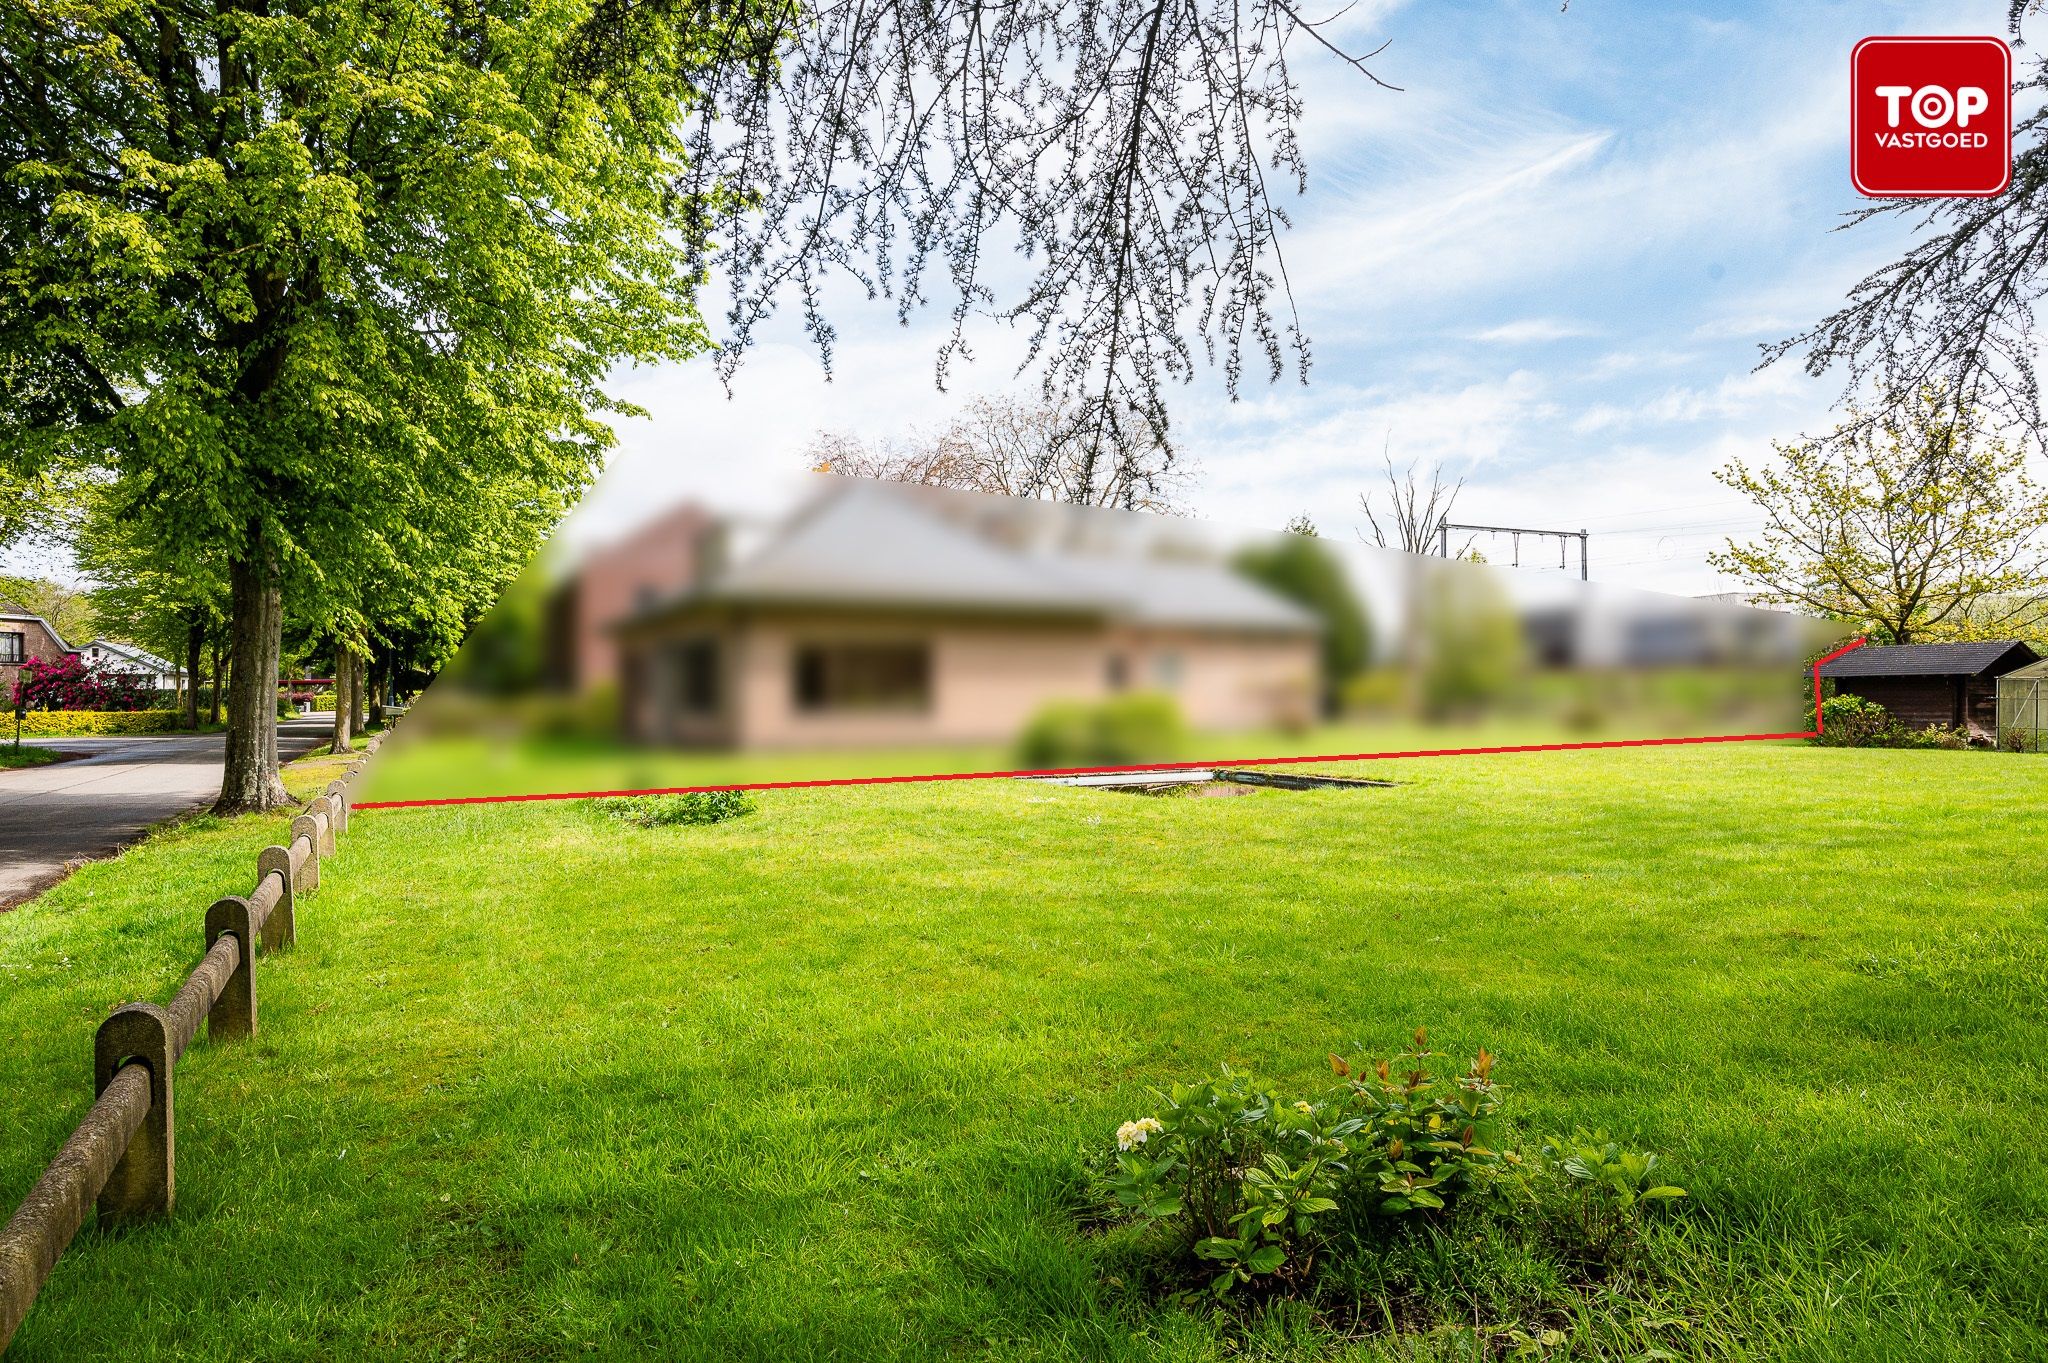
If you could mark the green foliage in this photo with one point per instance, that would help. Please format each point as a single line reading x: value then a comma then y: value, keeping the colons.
x: 1919, y: 526
x: 87, y: 723
x: 1604, y: 1187
x: 1127, y: 730
x: 689, y: 808
x: 326, y: 297
x: 1301, y: 568
x: 1471, y: 642
x: 26, y: 756
x: 1853, y: 721
x: 70, y: 610
x: 1848, y: 720
x: 1253, y: 1182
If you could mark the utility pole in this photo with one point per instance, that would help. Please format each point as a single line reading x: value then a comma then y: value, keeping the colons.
x: 1563, y: 538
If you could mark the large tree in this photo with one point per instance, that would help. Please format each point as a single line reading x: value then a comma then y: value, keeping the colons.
x: 275, y: 262
x: 1916, y: 526
x: 277, y: 268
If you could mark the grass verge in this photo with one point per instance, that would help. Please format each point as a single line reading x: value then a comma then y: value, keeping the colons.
x: 824, y: 1081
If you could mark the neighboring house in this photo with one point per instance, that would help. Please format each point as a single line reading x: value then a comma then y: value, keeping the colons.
x: 614, y: 582
x: 130, y: 660
x: 1929, y: 684
x: 24, y: 636
x: 875, y: 617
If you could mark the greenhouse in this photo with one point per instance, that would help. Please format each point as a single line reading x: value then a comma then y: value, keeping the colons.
x: 2023, y: 708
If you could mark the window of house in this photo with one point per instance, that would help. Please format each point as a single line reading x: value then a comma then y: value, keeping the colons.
x: 697, y: 688
x: 1166, y: 671
x: 13, y: 646
x: 833, y: 677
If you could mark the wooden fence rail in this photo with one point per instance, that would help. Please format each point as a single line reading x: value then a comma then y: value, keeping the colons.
x: 122, y: 1159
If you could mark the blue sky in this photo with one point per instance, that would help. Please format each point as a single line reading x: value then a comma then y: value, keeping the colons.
x: 1546, y: 263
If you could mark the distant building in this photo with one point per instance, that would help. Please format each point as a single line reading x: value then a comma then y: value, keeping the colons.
x: 23, y: 636
x: 131, y: 660
x: 874, y: 617
x: 613, y: 583
x: 1928, y: 684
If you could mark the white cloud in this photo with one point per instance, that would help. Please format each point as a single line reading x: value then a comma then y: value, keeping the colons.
x: 1533, y: 330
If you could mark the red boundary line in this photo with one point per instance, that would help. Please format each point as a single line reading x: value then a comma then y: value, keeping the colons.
x: 1814, y: 732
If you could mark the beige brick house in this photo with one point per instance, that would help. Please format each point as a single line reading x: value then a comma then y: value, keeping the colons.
x: 874, y: 619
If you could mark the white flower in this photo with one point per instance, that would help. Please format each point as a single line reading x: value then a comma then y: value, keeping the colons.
x: 1131, y: 1135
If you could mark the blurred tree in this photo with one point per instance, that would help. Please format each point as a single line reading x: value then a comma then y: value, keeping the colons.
x: 1305, y: 571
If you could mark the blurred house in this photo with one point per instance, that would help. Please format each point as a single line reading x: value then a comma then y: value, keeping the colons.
x: 1929, y: 684
x: 25, y: 635
x: 878, y: 616
x: 612, y: 583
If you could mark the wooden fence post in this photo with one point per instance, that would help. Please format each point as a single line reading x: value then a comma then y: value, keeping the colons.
x: 233, y: 1015
x: 280, y: 928
x: 144, y: 1183
x: 305, y: 826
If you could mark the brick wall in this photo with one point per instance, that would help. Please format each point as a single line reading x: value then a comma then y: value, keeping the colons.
x: 37, y: 642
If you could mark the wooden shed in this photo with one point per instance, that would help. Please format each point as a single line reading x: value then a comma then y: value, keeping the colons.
x: 1928, y: 684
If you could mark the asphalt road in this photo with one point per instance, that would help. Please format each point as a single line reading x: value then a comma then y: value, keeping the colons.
x: 52, y: 818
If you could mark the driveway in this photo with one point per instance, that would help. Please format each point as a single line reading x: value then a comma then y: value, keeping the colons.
x: 56, y: 816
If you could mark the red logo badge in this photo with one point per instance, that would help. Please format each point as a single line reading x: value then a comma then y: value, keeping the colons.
x: 1930, y: 118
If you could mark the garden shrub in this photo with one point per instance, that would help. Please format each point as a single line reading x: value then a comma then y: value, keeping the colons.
x: 66, y: 683
x: 1127, y: 730
x: 90, y: 723
x: 692, y: 807
x: 1851, y: 721
x: 1249, y: 1186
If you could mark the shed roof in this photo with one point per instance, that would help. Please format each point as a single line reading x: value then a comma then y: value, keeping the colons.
x: 1993, y: 656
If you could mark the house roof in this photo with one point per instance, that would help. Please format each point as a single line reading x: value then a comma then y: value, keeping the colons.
x: 866, y: 544
x: 1995, y: 656
x: 135, y: 653
x: 10, y: 611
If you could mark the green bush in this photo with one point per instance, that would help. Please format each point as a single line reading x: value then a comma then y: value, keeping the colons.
x: 1248, y: 1185
x: 1126, y: 731
x: 692, y: 807
x: 92, y: 723
x: 1852, y: 721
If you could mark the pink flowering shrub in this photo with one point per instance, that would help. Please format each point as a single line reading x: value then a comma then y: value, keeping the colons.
x: 68, y: 684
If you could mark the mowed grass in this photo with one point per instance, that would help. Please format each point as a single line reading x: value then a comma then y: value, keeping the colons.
x: 821, y: 1083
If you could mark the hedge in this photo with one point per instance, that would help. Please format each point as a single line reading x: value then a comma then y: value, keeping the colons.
x: 86, y: 723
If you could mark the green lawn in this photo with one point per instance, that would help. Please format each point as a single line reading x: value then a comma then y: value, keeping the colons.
x: 820, y: 1083
x: 25, y: 755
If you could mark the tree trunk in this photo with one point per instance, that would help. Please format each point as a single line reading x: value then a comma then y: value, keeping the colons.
x: 379, y: 666
x: 359, y: 694
x: 213, y: 675
x: 250, y: 783
x: 344, y: 697
x: 195, y: 646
